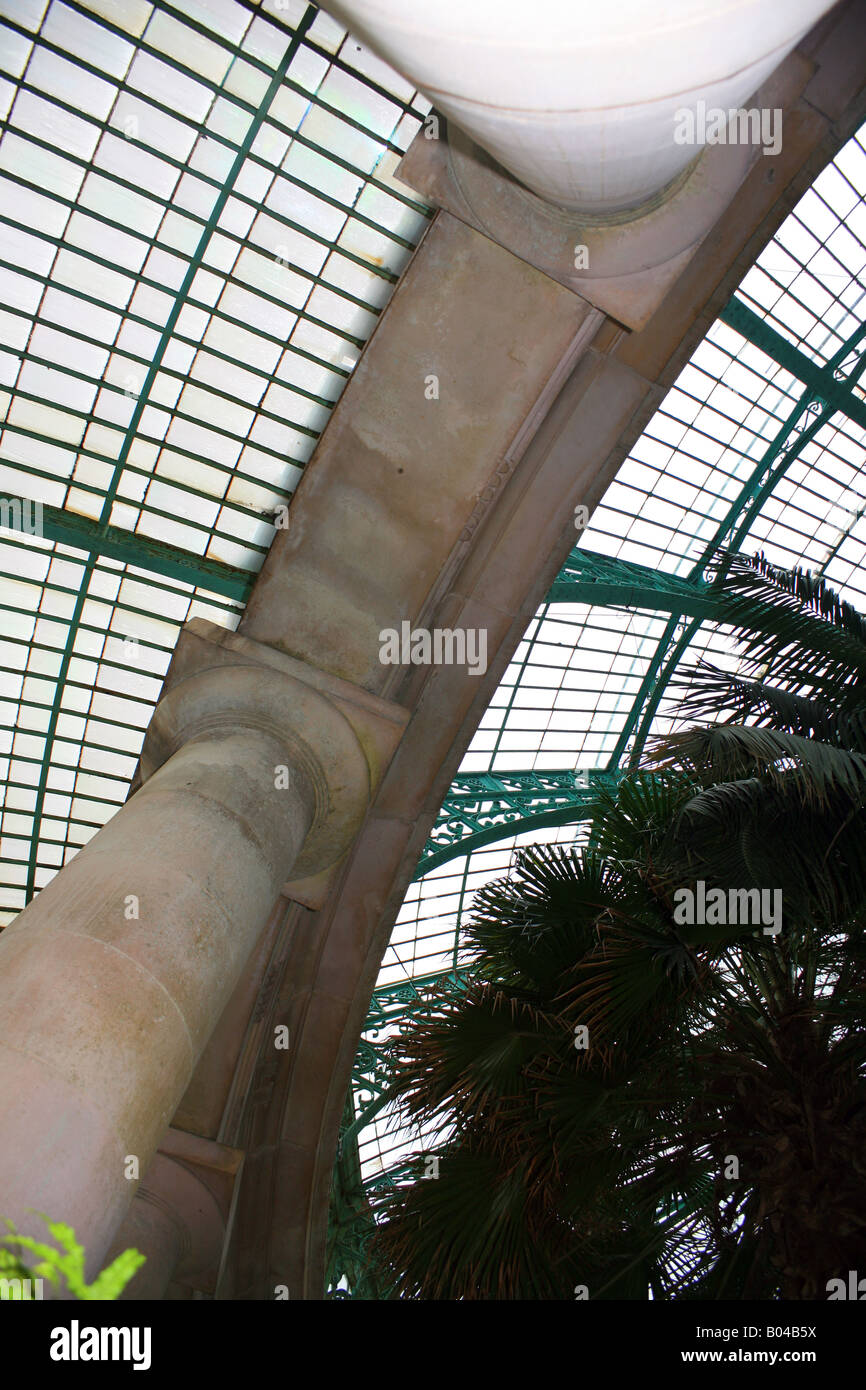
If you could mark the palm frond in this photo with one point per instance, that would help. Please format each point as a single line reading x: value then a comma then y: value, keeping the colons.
x: 711, y: 693
x: 814, y: 771
x: 795, y: 623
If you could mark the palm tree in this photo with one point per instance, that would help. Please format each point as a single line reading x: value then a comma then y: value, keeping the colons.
x: 783, y: 760
x: 628, y: 1102
x: 782, y: 770
x: 539, y: 1191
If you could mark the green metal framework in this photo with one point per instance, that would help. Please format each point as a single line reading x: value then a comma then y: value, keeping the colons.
x: 796, y: 485
x: 199, y: 228
x: 351, y: 1224
x: 481, y: 808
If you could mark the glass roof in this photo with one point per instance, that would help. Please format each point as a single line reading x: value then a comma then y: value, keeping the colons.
x: 199, y: 227
x: 748, y: 447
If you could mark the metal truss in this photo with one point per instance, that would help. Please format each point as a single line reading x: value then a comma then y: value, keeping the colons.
x: 351, y: 1222
x: 483, y: 808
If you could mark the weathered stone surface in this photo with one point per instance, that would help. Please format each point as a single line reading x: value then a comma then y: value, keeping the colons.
x: 396, y: 475
x: 517, y: 543
x: 450, y: 511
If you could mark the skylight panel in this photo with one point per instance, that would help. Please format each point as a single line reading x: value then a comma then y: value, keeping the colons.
x: 85, y: 38
x: 565, y: 703
x: 176, y: 90
x: 15, y: 48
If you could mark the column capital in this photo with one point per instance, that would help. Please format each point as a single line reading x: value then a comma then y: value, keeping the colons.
x: 339, y: 736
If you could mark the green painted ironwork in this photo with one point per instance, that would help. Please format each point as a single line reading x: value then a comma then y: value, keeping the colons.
x: 827, y: 383
x: 472, y: 815
x: 827, y: 390
x: 69, y: 528
x: 481, y: 808
x: 587, y: 577
x: 351, y: 1223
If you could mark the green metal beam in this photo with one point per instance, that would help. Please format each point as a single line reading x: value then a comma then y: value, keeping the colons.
x: 351, y: 1224
x: 653, y: 683
x: 84, y: 533
x: 826, y: 383
x: 484, y: 807
x: 588, y: 577
x: 669, y: 654
x: 826, y: 391
x: 197, y: 259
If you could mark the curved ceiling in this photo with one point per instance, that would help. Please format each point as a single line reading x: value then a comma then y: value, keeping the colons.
x: 760, y: 443
x: 199, y: 228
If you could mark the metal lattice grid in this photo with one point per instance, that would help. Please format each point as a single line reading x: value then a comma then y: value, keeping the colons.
x: 199, y: 228
x: 760, y: 443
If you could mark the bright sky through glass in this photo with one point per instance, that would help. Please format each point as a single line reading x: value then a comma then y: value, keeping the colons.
x: 567, y: 695
x: 199, y: 227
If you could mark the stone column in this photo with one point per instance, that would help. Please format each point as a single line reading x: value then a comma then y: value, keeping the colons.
x: 111, y: 981
x: 152, y: 1227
